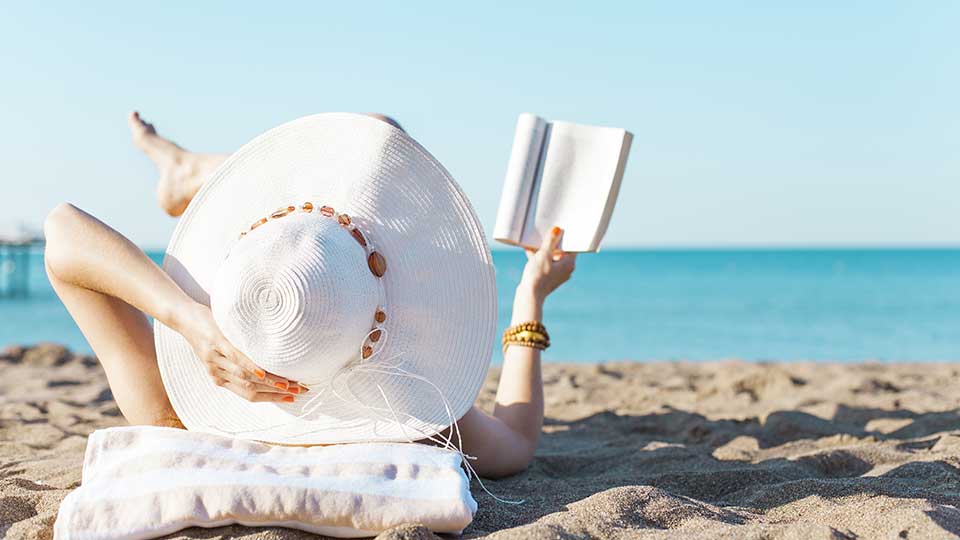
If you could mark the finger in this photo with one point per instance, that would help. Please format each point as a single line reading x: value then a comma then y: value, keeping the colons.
x: 237, y: 357
x: 276, y: 398
x: 293, y: 387
x: 229, y: 371
x: 266, y: 377
x: 258, y: 386
x: 567, y: 261
x: 296, y: 388
x: 248, y: 391
x: 529, y: 252
x: 273, y: 380
x: 243, y: 381
x: 552, y: 240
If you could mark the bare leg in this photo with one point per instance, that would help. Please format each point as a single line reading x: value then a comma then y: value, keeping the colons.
x: 182, y: 172
x: 122, y: 339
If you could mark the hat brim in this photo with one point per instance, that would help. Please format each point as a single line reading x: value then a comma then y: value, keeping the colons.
x: 439, y: 283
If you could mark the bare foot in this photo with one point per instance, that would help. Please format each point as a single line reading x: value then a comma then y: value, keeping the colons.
x: 181, y: 172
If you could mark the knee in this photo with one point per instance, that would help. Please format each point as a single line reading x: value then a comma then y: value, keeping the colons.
x: 57, y: 228
x: 59, y: 219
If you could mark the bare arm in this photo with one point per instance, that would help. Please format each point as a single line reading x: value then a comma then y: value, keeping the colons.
x: 505, y: 441
x: 91, y: 255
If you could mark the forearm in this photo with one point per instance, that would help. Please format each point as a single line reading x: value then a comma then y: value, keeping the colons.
x: 86, y: 252
x: 519, y: 401
x: 504, y: 443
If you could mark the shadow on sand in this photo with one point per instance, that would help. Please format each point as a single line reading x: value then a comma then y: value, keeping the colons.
x: 728, y: 470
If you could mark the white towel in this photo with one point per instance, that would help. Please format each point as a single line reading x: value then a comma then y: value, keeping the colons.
x: 146, y: 481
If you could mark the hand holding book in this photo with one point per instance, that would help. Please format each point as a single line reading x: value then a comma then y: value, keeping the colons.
x: 548, y: 267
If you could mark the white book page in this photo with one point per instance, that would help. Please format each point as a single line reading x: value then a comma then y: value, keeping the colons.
x: 580, y: 171
x: 519, y: 180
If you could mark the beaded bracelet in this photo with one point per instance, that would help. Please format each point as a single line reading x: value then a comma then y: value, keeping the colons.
x: 530, y: 326
x: 529, y: 334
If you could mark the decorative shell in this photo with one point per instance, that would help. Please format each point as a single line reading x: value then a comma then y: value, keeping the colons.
x: 280, y: 212
x: 377, y: 264
x: 358, y: 236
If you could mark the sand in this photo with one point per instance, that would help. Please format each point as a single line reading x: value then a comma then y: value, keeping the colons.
x: 630, y: 450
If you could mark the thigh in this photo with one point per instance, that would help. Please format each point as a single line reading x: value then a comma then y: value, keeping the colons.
x: 122, y: 338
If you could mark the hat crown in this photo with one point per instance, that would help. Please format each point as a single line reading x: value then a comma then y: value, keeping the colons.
x: 296, y: 296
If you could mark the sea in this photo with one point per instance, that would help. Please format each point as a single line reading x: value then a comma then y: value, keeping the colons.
x: 688, y: 304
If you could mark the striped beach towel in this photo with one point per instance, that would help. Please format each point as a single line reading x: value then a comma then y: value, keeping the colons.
x: 148, y: 481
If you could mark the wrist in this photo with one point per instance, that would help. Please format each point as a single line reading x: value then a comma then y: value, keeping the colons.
x: 527, y: 305
x: 183, y: 315
x: 530, y: 292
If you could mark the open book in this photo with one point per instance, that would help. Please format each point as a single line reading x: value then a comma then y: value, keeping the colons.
x: 561, y: 174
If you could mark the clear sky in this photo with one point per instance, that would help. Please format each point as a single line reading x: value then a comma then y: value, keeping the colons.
x: 755, y: 123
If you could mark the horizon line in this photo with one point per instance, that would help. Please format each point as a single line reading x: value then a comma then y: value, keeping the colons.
x: 866, y: 246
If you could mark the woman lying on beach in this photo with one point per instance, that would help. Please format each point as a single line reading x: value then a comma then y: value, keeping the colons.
x: 110, y: 286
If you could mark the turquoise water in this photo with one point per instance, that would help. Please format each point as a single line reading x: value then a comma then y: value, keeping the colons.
x: 694, y: 305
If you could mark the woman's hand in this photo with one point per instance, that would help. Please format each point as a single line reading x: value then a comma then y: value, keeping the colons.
x: 547, y: 268
x: 229, y: 367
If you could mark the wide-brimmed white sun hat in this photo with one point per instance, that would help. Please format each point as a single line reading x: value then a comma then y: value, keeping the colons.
x: 334, y: 250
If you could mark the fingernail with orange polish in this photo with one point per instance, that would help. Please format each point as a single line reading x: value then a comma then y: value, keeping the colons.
x: 293, y: 390
x: 260, y: 373
x: 555, y: 231
x: 281, y: 385
x: 288, y: 399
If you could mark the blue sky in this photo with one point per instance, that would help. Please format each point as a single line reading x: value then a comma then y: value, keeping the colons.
x: 755, y: 123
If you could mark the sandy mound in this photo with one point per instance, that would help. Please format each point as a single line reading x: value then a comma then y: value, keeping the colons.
x: 661, y: 450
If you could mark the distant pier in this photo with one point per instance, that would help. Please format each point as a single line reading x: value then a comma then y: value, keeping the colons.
x: 15, y: 258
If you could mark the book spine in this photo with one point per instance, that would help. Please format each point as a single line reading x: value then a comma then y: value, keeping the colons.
x: 519, y: 179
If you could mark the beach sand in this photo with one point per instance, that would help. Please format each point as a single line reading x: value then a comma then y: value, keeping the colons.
x: 630, y: 450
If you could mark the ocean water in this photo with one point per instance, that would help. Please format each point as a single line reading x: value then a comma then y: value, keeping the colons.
x: 769, y: 304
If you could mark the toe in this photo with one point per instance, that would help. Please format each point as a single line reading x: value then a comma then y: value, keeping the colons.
x: 138, y: 125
